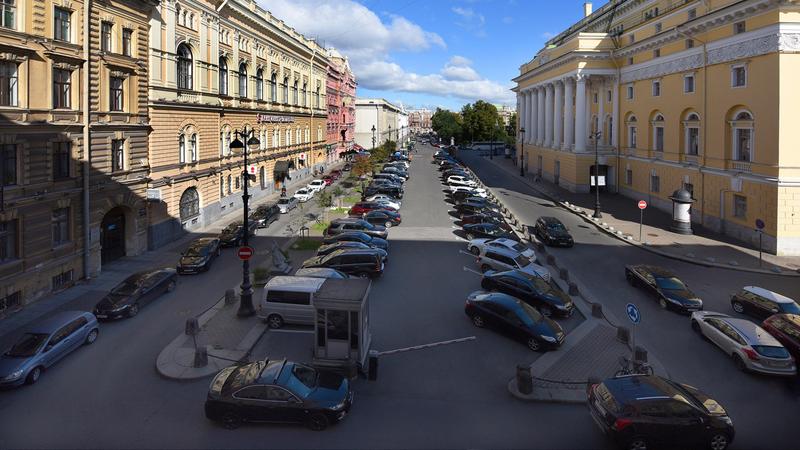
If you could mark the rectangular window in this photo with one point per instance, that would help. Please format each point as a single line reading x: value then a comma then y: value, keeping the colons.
x: 62, y: 92
x: 689, y: 43
x: 630, y: 92
x: 105, y: 36
x: 656, y: 88
x: 62, y: 280
x: 738, y: 76
x: 631, y: 38
x: 739, y: 27
x: 632, y: 137
x: 8, y: 241
x: 655, y: 183
x: 8, y: 164
x: 62, y: 153
x: 116, y: 95
x: 659, y: 144
x: 630, y: 60
x: 657, y: 53
x: 740, y: 206
x: 237, y: 183
x: 8, y: 83
x: 595, y: 97
x: 691, y: 14
x: 127, y: 38
x: 628, y: 177
x: 117, y: 155
x: 688, y: 84
x: 658, y: 27
x: 60, y: 226
x: 61, y: 24
x: 693, y: 141
x: 8, y: 11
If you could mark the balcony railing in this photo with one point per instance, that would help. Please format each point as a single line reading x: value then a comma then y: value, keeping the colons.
x: 740, y: 166
x: 691, y: 159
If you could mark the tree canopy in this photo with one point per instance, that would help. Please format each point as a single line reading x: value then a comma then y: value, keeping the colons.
x: 446, y: 124
x: 477, y: 121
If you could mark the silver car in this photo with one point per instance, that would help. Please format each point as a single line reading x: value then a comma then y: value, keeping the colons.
x: 44, y: 343
x: 286, y: 204
x: 752, y: 348
x: 502, y: 259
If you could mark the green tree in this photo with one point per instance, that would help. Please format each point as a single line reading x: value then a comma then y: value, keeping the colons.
x: 482, y: 122
x: 446, y: 124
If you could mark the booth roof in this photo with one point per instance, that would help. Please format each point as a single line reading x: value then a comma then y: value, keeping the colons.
x: 335, y: 291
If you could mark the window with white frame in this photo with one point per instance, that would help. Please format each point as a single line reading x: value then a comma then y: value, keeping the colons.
x: 105, y: 36
x: 688, y: 83
x: 259, y: 84
x: 225, y: 141
x: 658, y: 133
x: 657, y: 53
x: 692, y: 134
x: 8, y: 83
x: 193, y: 147
x: 117, y: 155
x: 8, y: 13
x: 739, y: 75
x: 629, y: 89
x: 655, y: 182
x: 182, y: 148
x: 298, y: 136
x: 656, y: 88
x: 742, y: 126
x: 740, y: 206
x: 184, y: 66
x: 689, y: 43
x: 658, y: 27
x: 60, y: 224
x: 308, y: 135
x: 319, y: 133
x: 276, y: 137
x: 61, y: 24
x: 223, y: 76
x: 288, y: 136
x: 739, y: 27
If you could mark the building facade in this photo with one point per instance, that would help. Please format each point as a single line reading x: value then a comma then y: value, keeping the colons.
x: 341, y: 95
x: 675, y: 94
x: 386, y: 119
x: 419, y: 121
x: 505, y: 112
x: 70, y: 74
x: 218, y: 67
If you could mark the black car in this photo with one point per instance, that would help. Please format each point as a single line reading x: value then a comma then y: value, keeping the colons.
x: 514, y: 317
x: 669, y: 290
x: 535, y: 291
x: 264, y: 215
x: 645, y: 411
x: 552, y: 232
x: 358, y: 236
x: 349, y: 245
x: 365, y: 263
x: 278, y: 391
x: 468, y: 208
x: 392, y: 191
x: 136, y: 291
x: 485, y: 217
x: 470, y: 198
x: 461, y: 196
x: 233, y: 234
x: 349, y: 224
x: 199, y: 256
x: 487, y: 230
x: 383, y: 217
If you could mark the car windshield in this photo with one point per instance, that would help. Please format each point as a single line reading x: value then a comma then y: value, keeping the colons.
x: 529, y: 314
x: 283, y: 201
x: 670, y: 284
x: 771, y: 351
x: 28, y: 345
x: 557, y: 226
x: 127, y: 287
x: 789, y: 308
x: 304, y: 379
x: 196, y: 251
x: 522, y: 261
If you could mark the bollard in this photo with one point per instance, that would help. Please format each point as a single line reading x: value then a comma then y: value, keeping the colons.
x: 230, y: 297
x: 524, y: 379
x: 573, y: 289
x: 540, y: 247
x: 192, y: 327
x: 551, y: 260
x: 597, y: 310
x: 200, y: 357
x: 623, y: 335
x: 372, y: 366
x: 563, y: 274
x: 640, y: 354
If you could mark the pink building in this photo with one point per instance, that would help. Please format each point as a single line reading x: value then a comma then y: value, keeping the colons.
x: 341, y: 94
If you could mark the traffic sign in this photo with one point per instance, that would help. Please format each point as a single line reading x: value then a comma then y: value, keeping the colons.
x: 633, y: 313
x: 245, y: 253
x: 251, y: 169
x: 760, y: 224
x: 642, y: 204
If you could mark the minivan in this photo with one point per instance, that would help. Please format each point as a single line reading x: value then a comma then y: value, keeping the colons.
x: 289, y: 299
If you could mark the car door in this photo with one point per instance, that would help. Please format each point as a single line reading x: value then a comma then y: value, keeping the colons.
x: 648, y: 281
x: 654, y: 422
x: 687, y: 423
x: 514, y: 326
x: 252, y: 404
x: 713, y: 331
x: 57, y: 346
x: 284, y: 406
x: 492, y: 313
x: 762, y: 307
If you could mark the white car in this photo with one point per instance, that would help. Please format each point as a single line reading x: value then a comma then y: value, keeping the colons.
x: 304, y: 194
x: 459, y: 180
x: 502, y: 259
x: 475, y: 246
x: 286, y: 204
x: 473, y: 190
x: 385, y: 200
x: 316, y: 185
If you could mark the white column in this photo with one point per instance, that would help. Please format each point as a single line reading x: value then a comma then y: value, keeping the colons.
x: 169, y: 46
x: 580, y: 113
x: 558, y: 124
x: 522, y: 112
x: 198, y: 71
x: 540, y: 116
x: 548, y: 111
x: 530, y: 126
x: 569, y: 125
x: 615, y: 112
x: 155, y: 48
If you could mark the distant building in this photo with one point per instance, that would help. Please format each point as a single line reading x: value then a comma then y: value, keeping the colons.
x: 419, y: 120
x: 341, y: 89
x: 505, y: 113
x: 390, y: 122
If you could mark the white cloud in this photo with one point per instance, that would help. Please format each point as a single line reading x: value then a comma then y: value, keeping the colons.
x: 470, y: 20
x: 458, y: 68
x: 508, y: 19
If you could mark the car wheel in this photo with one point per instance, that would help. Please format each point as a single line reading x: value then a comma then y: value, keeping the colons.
x: 637, y: 443
x: 388, y: 224
x: 231, y: 420
x: 91, y: 337
x: 171, y: 286
x: 275, y: 321
x: 317, y: 421
x: 470, y: 236
x: 475, y: 251
x: 719, y: 441
x: 739, y: 363
x: 738, y: 307
x: 485, y: 268
x: 478, y: 321
x: 33, y: 375
x: 546, y: 311
x: 133, y: 310
x: 662, y: 302
x: 534, y: 344
x: 696, y: 327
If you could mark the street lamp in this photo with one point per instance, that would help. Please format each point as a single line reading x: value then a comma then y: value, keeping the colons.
x: 373, y: 137
x: 521, y: 151
x: 246, y: 297
x: 597, y: 214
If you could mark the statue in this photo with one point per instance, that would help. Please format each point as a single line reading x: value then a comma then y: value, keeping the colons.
x: 280, y: 264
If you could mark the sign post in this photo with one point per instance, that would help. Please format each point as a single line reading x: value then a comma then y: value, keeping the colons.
x: 760, y: 230
x: 635, y: 317
x: 642, y: 206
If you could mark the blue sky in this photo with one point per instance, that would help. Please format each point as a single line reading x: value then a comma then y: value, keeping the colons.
x: 429, y: 53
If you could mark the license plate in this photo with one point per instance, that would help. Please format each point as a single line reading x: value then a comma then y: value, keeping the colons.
x: 101, y: 316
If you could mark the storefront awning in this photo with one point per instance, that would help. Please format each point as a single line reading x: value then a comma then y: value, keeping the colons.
x: 281, y: 167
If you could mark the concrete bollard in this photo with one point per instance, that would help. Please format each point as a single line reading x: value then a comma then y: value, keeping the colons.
x: 640, y: 354
x: 230, y: 297
x: 551, y: 260
x: 372, y: 365
x: 524, y: 379
x: 573, y: 289
x: 200, y: 356
x: 623, y: 335
x: 563, y: 274
x: 597, y: 310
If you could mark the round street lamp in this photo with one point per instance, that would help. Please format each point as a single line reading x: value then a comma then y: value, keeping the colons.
x: 373, y: 137
x: 246, y: 308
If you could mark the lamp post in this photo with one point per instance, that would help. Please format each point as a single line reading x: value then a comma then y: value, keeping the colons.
x: 597, y: 214
x: 373, y: 138
x: 521, y: 151
x: 246, y: 297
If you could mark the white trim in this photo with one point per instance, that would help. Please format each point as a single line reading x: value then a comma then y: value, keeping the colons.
x: 694, y: 83
x: 733, y: 78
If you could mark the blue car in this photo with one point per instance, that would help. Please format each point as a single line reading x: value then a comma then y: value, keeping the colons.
x: 44, y: 343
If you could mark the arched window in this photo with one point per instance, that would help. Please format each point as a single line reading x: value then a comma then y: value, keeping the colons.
x: 262, y: 176
x: 294, y: 93
x: 193, y: 147
x: 742, y: 126
x: 658, y: 132
x: 182, y: 148
x: 286, y: 90
x: 304, y: 94
x: 260, y: 84
x: 223, y: 76
x: 691, y: 134
x: 190, y: 204
x: 242, y: 80
x: 184, y: 67
x: 273, y: 88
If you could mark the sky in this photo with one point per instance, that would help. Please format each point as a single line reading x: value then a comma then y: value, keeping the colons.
x: 432, y: 53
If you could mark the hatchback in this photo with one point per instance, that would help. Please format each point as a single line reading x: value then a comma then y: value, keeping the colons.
x: 278, y: 391
x: 287, y: 204
x: 548, y: 299
x: 761, y: 303
x: 345, y: 225
x: 328, y: 179
x: 44, y: 344
x: 136, y: 291
x: 364, y: 263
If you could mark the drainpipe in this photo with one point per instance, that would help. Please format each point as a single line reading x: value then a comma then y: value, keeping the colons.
x: 87, y: 5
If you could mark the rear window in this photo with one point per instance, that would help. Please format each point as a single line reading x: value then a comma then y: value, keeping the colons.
x: 789, y: 308
x: 770, y: 351
x: 786, y: 327
x: 289, y: 297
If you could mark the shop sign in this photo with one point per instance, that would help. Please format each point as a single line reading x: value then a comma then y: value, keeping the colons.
x: 269, y: 118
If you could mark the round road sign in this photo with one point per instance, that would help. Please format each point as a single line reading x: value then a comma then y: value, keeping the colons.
x: 642, y: 204
x: 245, y: 253
x: 633, y: 313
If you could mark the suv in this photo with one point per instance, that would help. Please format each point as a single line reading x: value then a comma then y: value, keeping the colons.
x: 501, y: 260
x: 644, y: 411
x: 265, y: 215
x: 365, y: 263
x: 761, y: 303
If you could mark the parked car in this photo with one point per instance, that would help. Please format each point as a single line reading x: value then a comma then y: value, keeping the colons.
x: 761, y: 303
x: 364, y: 263
x: 460, y: 181
x: 335, y: 174
x: 199, y: 256
x: 540, y: 294
x: 750, y: 346
x: 480, y: 192
x: 391, y: 191
x: 358, y: 237
x: 289, y: 299
x: 362, y: 208
x: 500, y: 260
x: 552, y: 232
x: 669, y: 290
x: 349, y: 245
x: 136, y: 291
x: 402, y: 174
x: 278, y: 391
x: 385, y: 200
x: 317, y: 185
x: 233, y: 234
x: 328, y: 179
x: 286, y: 204
x: 387, y: 178
x: 348, y: 224
x: 462, y: 196
x: 488, y: 231
x: 44, y: 344
x: 486, y: 217
x: 304, y: 194
x: 646, y: 411
x: 476, y: 245
x: 264, y: 215
x: 321, y: 272
x: 470, y: 208
x: 347, y: 167
x: 383, y: 217
x: 786, y: 329
x: 514, y: 317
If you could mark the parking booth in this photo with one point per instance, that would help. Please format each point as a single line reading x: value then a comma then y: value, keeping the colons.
x: 341, y: 336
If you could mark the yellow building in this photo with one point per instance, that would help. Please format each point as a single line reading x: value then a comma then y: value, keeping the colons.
x: 217, y: 67
x: 694, y: 94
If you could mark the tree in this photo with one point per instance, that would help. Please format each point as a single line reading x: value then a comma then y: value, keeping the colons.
x: 446, y: 124
x: 361, y: 166
x: 482, y: 122
x: 512, y: 125
x: 325, y: 201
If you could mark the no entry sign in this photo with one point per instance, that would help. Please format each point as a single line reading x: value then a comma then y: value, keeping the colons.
x: 245, y: 253
x: 642, y: 204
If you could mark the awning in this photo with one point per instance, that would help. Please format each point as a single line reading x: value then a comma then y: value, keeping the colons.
x: 281, y: 170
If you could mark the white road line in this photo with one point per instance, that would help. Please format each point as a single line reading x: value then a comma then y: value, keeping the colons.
x: 291, y: 331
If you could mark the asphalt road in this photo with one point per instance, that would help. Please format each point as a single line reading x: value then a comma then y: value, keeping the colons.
x: 759, y: 405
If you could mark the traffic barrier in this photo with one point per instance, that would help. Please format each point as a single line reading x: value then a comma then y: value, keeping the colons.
x: 573, y: 289
x: 372, y: 365
x: 230, y: 297
x: 524, y: 379
x: 200, y: 356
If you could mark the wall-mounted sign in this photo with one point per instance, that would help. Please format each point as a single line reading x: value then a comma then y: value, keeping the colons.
x: 269, y: 118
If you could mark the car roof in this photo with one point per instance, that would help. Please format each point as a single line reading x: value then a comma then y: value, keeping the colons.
x: 504, y: 250
x: 754, y: 334
x: 629, y: 389
x: 306, y: 284
x: 550, y: 219
x: 347, y: 220
x: 504, y: 241
x: 317, y: 272
x: 202, y: 242
x: 55, y: 321
x: 767, y: 294
x: 794, y: 319
x: 654, y: 270
x: 502, y: 299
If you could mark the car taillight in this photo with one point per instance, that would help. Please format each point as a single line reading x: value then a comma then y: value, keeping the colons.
x: 751, y: 354
x: 590, y: 390
x: 621, y: 424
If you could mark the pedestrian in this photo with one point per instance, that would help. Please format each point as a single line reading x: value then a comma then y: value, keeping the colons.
x: 283, y: 191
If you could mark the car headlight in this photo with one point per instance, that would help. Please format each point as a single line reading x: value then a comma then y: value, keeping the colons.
x: 549, y: 339
x: 339, y: 406
x: 13, y: 375
x: 727, y: 420
x: 560, y: 306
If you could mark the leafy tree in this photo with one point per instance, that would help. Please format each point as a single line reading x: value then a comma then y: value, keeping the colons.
x: 482, y: 122
x: 446, y: 124
x: 361, y: 166
x: 325, y: 201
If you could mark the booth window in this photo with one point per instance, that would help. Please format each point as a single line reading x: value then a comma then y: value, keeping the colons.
x: 354, y: 330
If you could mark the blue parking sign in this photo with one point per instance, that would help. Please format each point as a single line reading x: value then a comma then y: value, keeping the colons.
x: 633, y: 313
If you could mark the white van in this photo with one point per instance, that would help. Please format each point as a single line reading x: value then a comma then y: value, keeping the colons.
x: 289, y: 300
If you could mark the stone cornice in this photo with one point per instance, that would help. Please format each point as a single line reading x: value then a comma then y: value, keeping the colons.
x: 561, y: 60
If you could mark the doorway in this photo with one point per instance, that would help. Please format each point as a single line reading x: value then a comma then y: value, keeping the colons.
x: 112, y: 236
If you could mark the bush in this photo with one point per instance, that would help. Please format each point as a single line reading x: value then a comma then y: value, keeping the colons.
x: 306, y: 244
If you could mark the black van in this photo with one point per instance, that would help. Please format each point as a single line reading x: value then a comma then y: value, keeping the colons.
x: 366, y: 263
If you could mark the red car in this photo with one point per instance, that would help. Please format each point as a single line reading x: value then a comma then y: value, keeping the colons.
x: 786, y: 329
x: 361, y: 208
x: 336, y: 174
x: 328, y: 180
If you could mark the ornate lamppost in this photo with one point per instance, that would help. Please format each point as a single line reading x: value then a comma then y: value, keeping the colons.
x: 597, y: 214
x: 246, y: 297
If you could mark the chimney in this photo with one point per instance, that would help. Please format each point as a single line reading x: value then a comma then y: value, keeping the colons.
x: 587, y: 9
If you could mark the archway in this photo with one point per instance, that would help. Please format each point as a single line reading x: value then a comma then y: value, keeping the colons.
x: 112, y: 235
x: 189, y: 204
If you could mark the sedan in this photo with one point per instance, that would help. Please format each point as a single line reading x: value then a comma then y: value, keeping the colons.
x: 548, y: 299
x: 199, y: 256
x: 481, y: 192
x: 233, y: 234
x: 383, y: 217
x: 317, y: 185
x: 465, y: 209
x: 328, y: 179
x: 462, y: 195
x: 476, y: 246
x: 358, y: 236
x: 514, y: 317
x: 386, y: 201
x: 347, y: 245
x: 485, y: 217
x: 136, y: 291
x: 278, y: 391
x: 552, y: 232
x: 286, y: 204
x: 750, y: 346
x: 361, y: 208
x: 489, y: 231
x: 669, y: 290
x: 304, y: 194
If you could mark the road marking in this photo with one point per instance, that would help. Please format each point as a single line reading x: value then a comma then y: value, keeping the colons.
x: 290, y: 331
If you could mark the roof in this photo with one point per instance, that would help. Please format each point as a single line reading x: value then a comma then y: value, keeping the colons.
x: 343, y: 293
x: 769, y: 295
x: 550, y: 219
x: 639, y: 387
x: 307, y: 284
x: 752, y: 332
x: 55, y: 321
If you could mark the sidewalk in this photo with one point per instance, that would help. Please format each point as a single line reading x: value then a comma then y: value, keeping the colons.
x: 621, y: 220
